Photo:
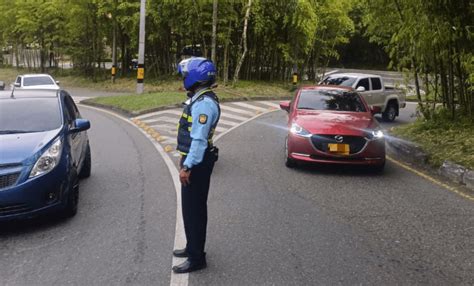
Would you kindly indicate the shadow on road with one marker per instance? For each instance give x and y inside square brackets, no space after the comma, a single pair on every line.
[340,170]
[36,224]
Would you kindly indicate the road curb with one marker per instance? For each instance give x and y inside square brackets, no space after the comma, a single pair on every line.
[127,113]
[414,154]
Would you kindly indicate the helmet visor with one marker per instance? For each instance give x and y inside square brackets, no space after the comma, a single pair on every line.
[183,68]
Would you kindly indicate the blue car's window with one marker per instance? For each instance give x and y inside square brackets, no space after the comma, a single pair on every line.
[24,115]
[37,80]
[330,100]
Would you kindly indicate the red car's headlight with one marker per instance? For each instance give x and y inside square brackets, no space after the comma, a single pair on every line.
[300,131]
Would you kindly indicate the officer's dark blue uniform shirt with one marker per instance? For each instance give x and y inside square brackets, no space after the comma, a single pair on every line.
[205,114]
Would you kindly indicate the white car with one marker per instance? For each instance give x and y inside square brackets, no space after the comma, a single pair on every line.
[36,81]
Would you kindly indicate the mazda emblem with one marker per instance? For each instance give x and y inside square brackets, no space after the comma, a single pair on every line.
[339,138]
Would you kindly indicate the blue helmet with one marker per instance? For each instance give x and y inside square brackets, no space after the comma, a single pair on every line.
[197,72]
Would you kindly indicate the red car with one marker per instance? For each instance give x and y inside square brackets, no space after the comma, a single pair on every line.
[333,125]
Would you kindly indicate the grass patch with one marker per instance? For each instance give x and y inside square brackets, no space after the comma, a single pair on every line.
[442,139]
[135,102]
[159,92]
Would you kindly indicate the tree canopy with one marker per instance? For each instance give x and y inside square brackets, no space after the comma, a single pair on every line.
[432,40]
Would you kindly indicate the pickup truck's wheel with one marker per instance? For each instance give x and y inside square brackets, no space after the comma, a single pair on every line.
[390,112]
[290,163]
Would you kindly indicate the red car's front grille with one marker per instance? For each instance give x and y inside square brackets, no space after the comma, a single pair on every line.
[356,143]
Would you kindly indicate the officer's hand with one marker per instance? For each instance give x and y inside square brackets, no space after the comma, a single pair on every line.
[184,177]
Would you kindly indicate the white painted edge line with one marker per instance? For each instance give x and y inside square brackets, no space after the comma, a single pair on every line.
[179,239]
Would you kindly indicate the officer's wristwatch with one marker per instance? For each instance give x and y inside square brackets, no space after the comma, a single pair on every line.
[186,168]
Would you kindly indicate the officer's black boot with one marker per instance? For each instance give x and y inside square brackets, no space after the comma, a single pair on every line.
[190,265]
[180,253]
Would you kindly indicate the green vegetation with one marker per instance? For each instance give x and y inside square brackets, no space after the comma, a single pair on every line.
[139,102]
[243,90]
[442,139]
[433,42]
[281,35]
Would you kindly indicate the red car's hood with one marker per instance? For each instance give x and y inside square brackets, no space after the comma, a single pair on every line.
[330,122]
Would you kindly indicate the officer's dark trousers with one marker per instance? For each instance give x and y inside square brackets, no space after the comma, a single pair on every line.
[194,204]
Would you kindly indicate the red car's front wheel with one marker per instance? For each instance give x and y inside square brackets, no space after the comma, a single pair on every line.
[290,163]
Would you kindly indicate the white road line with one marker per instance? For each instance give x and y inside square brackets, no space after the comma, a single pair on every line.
[249,106]
[141,117]
[167,125]
[179,239]
[221,129]
[269,103]
[161,119]
[242,123]
[227,122]
[167,140]
[170,111]
[78,99]
[232,116]
[237,110]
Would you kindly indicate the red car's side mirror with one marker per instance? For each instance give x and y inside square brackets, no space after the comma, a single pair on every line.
[375,109]
[285,105]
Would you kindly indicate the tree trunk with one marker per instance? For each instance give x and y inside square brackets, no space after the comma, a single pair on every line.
[244,43]
[214,32]
[199,28]
[226,56]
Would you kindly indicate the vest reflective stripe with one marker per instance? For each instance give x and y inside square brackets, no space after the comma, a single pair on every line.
[186,120]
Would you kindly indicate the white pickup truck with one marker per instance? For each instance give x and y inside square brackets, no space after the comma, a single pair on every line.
[371,87]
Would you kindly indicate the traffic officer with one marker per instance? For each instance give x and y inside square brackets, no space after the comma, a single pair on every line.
[196,129]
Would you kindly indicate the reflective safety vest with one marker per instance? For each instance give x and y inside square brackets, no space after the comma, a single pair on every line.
[186,122]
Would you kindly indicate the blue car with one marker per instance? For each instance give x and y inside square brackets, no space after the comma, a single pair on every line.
[44,151]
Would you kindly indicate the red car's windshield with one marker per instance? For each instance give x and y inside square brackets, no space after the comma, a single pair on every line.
[330,100]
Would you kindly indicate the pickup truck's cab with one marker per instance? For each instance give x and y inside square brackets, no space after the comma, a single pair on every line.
[372,88]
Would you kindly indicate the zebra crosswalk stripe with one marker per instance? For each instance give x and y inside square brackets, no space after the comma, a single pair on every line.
[237,110]
[249,106]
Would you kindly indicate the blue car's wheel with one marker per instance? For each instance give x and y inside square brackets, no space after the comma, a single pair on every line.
[72,199]
[86,166]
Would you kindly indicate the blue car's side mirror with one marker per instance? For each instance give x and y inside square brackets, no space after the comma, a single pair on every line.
[80,125]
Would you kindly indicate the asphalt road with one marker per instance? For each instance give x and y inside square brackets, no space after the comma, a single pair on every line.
[270,225]
[124,231]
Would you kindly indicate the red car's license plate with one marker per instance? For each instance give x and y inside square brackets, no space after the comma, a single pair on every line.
[342,149]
